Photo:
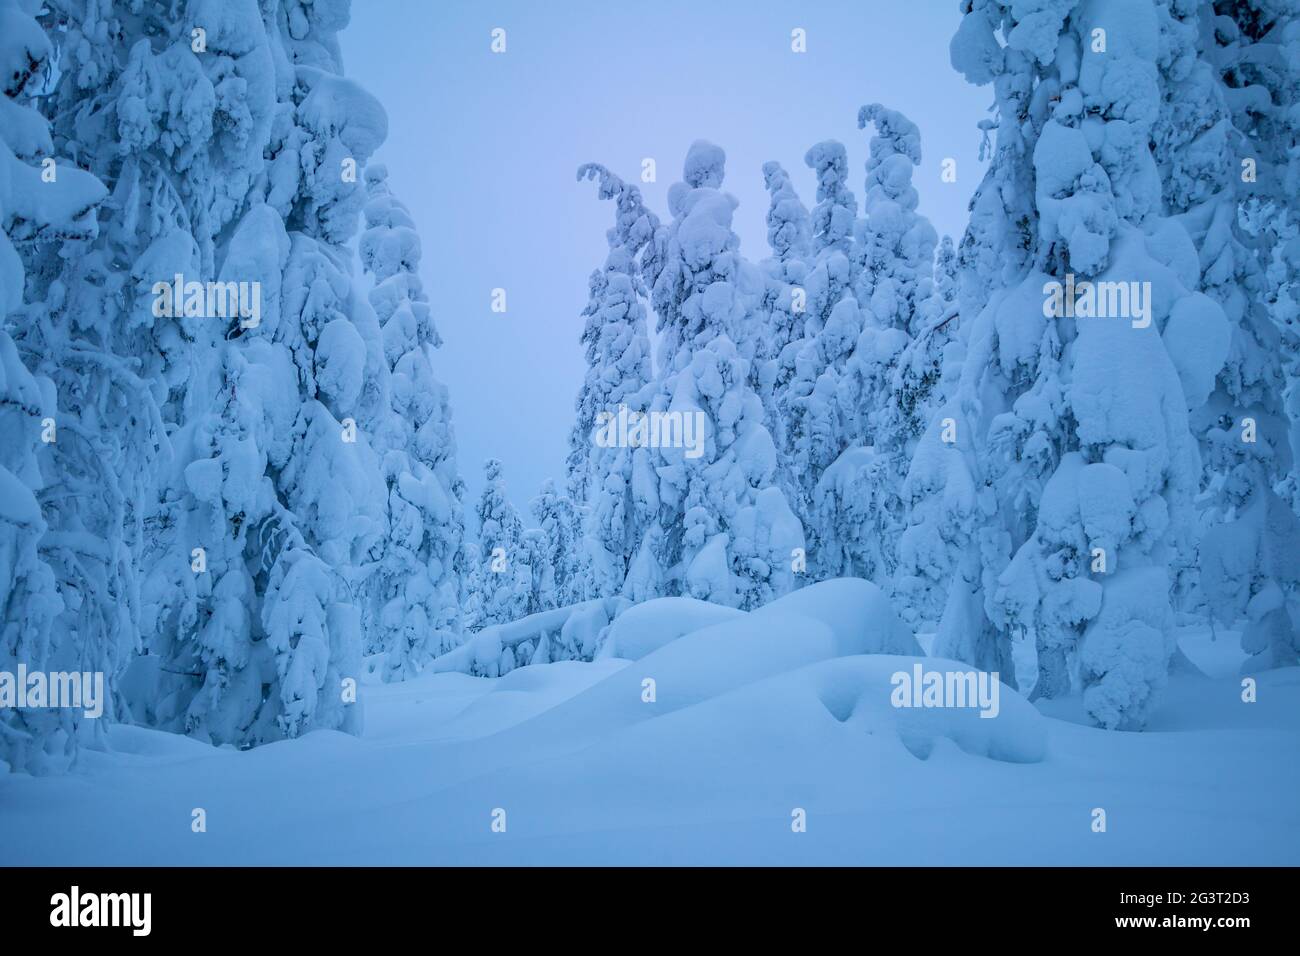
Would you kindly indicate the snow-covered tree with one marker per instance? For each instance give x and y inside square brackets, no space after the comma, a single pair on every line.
[819,414]
[789,227]
[894,255]
[540,574]
[722,529]
[118,362]
[893,247]
[505,574]
[1226,142]
[614,333]
[66,574]
[177,130]
[1055,487]
[697,253]
[830,278]
[271,520]
[855,505]
[809,370]
[784,305]
[30,740]
[836,211]
[417,589]
[560,524]
[919,381]
[618,374]
[471,576]
[924,379]
[850,409]
[789,234]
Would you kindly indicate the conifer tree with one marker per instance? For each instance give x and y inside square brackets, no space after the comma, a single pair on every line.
[418,594]
[1054,485]
[67,599]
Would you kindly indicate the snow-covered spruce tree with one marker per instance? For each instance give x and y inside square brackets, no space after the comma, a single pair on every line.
[30,740]
[614,334]
[945,273]
[789,226]
[808,378]
[920,379]
[119,357]
[722,531]
[540,578]
[173,110]
[837,209]
[505,573]
[66,592]
[1056,485]
[600,480]
[894,257]
[1282,299]
[893,247]
[332,481]
[418,592]
[1274,29]
[276,507]
[1275,221]
[1227,147]
[471,577]
[784,305]
[830,277]
[925,377]
[560,524]
[1283,303]
[686,259]
[940,492]
[856,508]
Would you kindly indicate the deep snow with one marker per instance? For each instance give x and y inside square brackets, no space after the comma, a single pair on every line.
[754,716]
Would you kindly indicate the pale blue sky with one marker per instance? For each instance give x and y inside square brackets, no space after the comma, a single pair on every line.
[483,149]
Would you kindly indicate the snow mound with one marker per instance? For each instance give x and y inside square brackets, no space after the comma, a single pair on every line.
[647,627]
[520,696]
[860,692]
[714,660]
[848,698]
[857,613]
[822,622]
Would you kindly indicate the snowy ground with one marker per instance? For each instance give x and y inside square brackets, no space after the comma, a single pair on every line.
[754,717]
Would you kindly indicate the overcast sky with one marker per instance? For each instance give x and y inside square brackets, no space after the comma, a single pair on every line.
[483,149]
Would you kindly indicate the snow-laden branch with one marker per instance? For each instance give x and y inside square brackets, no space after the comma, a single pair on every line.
[485,647]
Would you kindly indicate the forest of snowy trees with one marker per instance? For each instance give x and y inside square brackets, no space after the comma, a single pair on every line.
[1048,441]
